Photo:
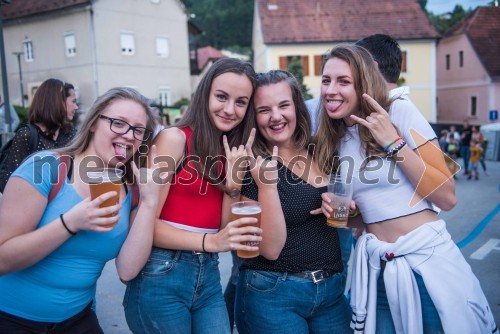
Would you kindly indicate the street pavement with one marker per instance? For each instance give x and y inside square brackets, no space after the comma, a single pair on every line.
[474,225]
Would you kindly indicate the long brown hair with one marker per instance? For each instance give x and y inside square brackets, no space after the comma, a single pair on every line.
[302,134]
[367,79]
[49,106]
[206,141]
[84,136]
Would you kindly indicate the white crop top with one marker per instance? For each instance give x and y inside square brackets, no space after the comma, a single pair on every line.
[381,189]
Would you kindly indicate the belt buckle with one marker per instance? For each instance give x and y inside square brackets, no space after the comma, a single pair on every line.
[198,253]
[317,276]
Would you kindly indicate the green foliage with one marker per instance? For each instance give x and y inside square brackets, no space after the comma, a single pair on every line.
[225,22]
[181,102]
[22,113]
[445,21]
[295,67]
[423,4]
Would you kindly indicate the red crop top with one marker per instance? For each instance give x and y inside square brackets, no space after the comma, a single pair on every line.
[192,203]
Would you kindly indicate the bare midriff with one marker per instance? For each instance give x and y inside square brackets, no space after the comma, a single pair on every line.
[391,230]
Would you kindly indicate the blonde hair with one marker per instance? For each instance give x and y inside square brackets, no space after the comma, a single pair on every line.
[84,136]
[367,79]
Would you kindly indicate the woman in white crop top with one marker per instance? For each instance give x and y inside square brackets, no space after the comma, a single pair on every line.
[427,286]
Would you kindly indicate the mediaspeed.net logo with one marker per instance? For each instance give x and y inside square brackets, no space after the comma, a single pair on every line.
[436,173]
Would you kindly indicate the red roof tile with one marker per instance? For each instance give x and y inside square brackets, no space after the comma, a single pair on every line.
[22,8]
[301,21]
[482,27]
[206,54]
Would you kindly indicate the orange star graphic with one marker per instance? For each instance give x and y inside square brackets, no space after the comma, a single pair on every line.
[442,168]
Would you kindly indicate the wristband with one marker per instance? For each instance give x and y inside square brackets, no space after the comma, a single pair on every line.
[203,243]
[386,147]
[66,226]
[393,151]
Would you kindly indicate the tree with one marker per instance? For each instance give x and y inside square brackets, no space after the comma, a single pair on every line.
[225,23]
[444,22]
[295,67]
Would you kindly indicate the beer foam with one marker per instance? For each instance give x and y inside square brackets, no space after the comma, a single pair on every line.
[246,210]
[100,177]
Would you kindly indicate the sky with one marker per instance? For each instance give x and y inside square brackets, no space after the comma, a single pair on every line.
[445,6]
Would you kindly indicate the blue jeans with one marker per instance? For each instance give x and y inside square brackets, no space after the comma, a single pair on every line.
[430,316]
[465,151]
[346,241]
[177,292]
[271,302]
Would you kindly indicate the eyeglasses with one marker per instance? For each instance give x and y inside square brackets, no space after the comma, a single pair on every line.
[121,127]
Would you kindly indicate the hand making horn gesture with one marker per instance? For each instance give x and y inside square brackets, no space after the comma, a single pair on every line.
[378,122]
[264,171]
[236,161]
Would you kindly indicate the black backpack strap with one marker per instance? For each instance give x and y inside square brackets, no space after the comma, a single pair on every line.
[33,137]
[64,170]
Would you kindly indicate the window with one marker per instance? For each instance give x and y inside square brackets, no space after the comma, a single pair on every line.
[473,106]
[70,43]
[127,43]
[165,96]
[461,58]
[285,61]
[447,62]
[28,50]
[162,47]
[404,60]
[318,64]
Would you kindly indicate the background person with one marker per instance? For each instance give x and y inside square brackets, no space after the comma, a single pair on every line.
[50,112]
[14,119]
[179,289]
[52,254]
[296,285]
[407,245]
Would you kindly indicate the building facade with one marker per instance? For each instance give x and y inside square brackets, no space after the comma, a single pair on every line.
[97,45]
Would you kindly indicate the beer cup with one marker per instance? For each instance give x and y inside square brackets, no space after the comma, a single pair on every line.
[103,181]
[340,192]
[247,209]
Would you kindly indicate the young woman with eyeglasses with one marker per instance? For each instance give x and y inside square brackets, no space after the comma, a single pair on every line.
[53,248]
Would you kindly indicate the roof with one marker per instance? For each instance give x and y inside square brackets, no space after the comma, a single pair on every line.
[299,21]
[23,8]
[207,54]
[483,31]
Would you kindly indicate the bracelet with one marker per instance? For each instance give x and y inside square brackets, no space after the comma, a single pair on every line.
[66,226]
[355,213]
[203,243]
[393,151]
[386,147]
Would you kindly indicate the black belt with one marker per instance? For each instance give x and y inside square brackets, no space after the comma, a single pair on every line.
[316,276]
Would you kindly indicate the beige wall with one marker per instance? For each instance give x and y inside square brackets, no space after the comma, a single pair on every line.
[458,85]
[420,77]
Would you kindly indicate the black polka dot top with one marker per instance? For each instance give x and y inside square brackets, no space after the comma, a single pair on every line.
[311,244]
[20,149]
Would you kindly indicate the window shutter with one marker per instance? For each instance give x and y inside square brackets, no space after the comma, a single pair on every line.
[318,63]
[283,63]
[305,65]
[403,63]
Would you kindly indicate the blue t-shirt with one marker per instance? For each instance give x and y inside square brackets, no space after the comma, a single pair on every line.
[64,282]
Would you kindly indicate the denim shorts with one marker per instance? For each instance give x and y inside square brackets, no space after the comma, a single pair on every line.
[272,302]
[177,292]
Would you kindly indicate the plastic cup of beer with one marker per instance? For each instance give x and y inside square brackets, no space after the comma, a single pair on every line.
[247,209]
[340,192]
[103,181]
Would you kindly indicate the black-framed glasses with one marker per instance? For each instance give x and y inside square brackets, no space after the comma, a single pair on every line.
[121,127]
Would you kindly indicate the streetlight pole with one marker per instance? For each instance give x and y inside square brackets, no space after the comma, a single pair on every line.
[5,83]
[19,54]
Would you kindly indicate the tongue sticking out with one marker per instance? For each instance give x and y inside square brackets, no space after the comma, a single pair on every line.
[120,151]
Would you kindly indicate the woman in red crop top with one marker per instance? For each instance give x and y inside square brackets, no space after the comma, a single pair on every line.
[179,288]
